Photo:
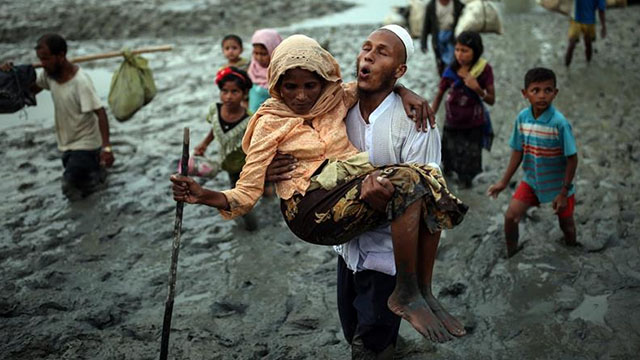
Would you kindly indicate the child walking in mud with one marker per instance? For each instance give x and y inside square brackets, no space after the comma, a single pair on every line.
[304,118]
[469,80]
[542,141]
[228,119]
[583,22]
[232,51]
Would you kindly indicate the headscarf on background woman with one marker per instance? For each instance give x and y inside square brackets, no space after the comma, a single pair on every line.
[270,39]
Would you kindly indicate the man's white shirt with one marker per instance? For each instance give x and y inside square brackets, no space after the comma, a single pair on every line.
[390,137]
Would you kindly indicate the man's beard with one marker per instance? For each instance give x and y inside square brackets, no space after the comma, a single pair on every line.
[56,72]
[387,82]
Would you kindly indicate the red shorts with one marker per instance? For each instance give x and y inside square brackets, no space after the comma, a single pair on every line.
[525,193]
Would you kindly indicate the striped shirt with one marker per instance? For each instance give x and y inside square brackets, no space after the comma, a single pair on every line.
[545,142]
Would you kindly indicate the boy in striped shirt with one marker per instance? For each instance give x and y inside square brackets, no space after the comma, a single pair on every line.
[542,141]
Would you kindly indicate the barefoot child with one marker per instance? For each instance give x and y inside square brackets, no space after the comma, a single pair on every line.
[469,80]
[264,41]
[542,141]
[229,121]
[232,50]
[321,203]
[583,22]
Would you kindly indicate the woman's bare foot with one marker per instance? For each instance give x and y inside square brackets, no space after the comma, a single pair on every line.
[453,325]
[416,311]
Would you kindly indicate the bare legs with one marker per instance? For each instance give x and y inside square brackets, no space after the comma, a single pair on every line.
[514,213]
[427,251]
[406,300]
[569,55]
[588,50]
[568,227]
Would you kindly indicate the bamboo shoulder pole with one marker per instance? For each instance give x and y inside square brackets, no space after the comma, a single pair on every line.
[113,54]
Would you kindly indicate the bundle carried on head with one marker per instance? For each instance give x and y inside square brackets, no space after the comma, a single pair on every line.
[480,16]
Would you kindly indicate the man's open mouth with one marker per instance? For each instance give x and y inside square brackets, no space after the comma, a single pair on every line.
[364,71]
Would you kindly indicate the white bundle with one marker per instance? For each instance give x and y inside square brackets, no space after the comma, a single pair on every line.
[417,8]
[481,16]
[394,17]
[564,7]
[616,3]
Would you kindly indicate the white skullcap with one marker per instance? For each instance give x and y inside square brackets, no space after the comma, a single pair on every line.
[403,35]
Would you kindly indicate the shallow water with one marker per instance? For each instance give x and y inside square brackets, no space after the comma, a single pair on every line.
[364,12]
[592,308]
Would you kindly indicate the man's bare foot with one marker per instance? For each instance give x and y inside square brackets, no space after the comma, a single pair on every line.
[453,325]
[417,312]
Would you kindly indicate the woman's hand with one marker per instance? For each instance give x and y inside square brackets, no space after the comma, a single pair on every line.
[417,108]
[472,83]
[200,149]
[186,189]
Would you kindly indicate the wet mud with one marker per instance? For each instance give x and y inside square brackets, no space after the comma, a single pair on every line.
[88,279]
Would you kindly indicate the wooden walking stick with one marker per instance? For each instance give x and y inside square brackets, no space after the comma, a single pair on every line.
[177,227]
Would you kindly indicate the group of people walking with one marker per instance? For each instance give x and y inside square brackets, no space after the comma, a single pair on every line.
[352,163]
[358,175]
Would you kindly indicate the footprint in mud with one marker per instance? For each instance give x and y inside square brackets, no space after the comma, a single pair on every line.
[25,186]
[8,308]
[222,309]
[27,166]
[124,147]
[453,290]
[105,318]
[47,307]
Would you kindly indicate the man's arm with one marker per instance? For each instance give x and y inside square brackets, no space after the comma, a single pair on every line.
[8,65]
[106,155]
[281,168]
[35,89]
[514,162]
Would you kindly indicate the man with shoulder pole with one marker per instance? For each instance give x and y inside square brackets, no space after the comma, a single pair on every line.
[81,124]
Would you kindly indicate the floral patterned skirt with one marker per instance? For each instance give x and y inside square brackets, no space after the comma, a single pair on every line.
[333,217]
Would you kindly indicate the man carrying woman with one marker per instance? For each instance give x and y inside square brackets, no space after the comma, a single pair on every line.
[322,205]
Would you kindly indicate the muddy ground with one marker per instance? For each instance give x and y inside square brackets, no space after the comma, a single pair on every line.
[87,280]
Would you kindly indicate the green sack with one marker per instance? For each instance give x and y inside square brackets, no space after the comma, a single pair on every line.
[132,87]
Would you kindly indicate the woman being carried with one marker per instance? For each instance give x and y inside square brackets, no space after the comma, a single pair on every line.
[304,118]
